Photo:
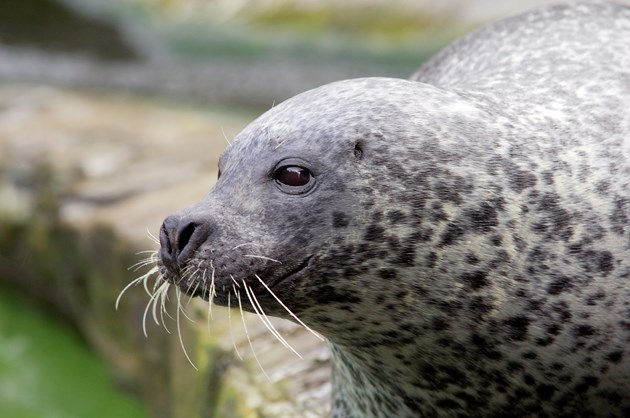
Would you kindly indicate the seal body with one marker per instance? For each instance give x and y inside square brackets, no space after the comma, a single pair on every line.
[462,239]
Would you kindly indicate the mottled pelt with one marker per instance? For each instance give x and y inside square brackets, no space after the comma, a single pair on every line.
[462,239]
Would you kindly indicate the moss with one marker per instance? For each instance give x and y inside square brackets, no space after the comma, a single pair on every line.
[75,275]
[376,21]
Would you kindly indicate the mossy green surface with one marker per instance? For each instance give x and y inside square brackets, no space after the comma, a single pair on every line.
[46,371]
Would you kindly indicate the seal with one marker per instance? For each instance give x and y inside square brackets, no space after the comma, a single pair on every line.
[462,239]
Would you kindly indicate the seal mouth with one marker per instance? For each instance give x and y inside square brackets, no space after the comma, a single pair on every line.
[290,275]
[280,282]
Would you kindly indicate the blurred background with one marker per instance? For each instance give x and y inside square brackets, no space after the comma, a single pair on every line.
[112,115]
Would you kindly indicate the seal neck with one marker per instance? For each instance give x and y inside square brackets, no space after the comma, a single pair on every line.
[370,387]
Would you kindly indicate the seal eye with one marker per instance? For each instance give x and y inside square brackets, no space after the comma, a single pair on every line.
[293,176]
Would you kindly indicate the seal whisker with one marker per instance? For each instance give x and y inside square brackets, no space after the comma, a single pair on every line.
[152,252]
[262,257]
[225,136]
[265,320]
[249,340]
[238,354]
[142,263]
[192,293]
[134,282]
[209,289]
[163,291]
[159,305]
[152,301]
[287,309]
[183,311]
[190,290]
[142,279]
[211,293]
[153,237]
[235,282]
[245,244]
[213,287]
[152,258]
[187,272]
[158,282]
[179,328]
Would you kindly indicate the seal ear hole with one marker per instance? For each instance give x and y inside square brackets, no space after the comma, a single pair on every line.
[358,151]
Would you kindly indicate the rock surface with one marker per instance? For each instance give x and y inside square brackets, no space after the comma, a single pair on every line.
[126,163]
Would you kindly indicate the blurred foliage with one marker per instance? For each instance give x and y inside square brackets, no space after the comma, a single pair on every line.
[396,36]
[368,21]
[76,275]
[373,23]
[50,25]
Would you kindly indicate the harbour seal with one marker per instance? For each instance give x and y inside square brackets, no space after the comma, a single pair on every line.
[462,239]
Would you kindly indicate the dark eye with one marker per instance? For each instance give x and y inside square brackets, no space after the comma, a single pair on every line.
[293,176]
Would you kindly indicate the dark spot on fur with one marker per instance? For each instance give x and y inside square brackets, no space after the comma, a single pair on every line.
[545,391]
[439,324]
[557,366]
[584,330]
[328,294]
[406,256]
[340,220]
[530,355]
[387,274]
[620,215]
[559,284]
[483,218]
[447,403]
[374,232]
[395,216]
[517,327]
[543,342]
[485,348]
[592,300]
[497,240]
[453,232]
[475,280]
[519,179]
[479,307]
[472,259]
[431,260]
[585,384]
[556,221]
[529,379]
[514,366]
[615,356]
[547,177]
[598,261]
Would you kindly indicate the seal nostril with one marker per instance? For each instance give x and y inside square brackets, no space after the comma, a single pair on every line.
[179,239]
[167,241]
[189,239]
[184,236]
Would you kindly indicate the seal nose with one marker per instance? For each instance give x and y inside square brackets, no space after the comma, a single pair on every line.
[179,238]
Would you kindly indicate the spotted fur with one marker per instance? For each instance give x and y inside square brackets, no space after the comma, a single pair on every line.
[464,243]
